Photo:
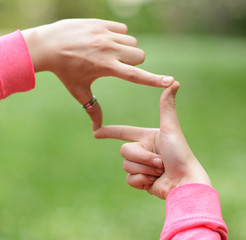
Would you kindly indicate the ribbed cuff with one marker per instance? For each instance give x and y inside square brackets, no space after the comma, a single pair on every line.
[16,68]
[192,206]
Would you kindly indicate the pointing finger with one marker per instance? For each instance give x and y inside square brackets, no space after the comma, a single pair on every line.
[140,76]
[121,132]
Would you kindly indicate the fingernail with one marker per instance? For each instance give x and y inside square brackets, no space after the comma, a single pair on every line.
[157,162]
[159,170]
[166,81]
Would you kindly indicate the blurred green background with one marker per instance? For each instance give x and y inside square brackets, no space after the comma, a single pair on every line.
[57,182]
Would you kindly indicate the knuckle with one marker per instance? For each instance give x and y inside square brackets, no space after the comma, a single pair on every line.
[96,27]
[132,74]
[101,43]
[107,68]
[97,23]
[167,102]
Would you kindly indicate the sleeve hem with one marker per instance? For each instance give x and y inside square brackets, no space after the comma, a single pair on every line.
[191,206]
[16,67]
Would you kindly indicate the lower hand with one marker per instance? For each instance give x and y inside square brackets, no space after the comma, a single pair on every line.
[168,143]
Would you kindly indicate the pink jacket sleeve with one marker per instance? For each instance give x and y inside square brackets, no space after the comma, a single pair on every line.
[16,68]
[193,212]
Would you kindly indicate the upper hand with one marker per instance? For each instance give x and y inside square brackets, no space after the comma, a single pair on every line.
[79,51]
[168,142]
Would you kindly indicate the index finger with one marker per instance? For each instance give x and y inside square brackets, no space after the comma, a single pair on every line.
[140,76]
[121,132]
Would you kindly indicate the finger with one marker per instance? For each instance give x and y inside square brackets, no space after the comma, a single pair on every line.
[168,114]
[130,55]
[125,39]
[84,95]
[121,132]
[138,168]
[140,76]
[116,27]
[136,153]
[140,181]
[95,114]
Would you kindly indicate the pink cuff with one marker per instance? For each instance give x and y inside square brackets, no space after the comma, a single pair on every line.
[193,206]
[16,68]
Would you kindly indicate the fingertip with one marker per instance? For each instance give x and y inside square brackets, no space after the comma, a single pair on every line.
[95,114]
[167,81]
[98,133]
[95,125]
[174,87]
[125,28]
[95,134]
[169,92]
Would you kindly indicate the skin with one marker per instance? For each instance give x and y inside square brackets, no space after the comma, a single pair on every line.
[79,51]
[167,143]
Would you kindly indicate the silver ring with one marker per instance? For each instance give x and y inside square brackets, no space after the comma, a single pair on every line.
[91,103]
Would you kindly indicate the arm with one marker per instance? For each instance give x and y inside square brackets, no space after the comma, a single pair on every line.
[193,207]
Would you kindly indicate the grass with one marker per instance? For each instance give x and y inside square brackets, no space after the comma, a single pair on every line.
[57,182]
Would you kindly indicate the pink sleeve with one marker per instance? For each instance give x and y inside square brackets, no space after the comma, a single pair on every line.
[16,68]
[193,212]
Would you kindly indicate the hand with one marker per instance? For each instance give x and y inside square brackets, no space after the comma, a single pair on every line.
[168,142]
[79,51]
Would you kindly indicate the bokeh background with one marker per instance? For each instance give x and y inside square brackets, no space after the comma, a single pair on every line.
[57,182]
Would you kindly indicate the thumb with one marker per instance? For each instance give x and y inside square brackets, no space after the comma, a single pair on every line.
[91,105]
[94,110]
[168,114]
[82,93]
[95,114]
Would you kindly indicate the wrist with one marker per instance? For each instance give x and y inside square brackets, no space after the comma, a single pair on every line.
[37,48]
[193,174]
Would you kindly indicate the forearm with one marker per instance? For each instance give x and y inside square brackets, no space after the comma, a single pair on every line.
[193,211]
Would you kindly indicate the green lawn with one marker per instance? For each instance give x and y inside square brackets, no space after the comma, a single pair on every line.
[58,183]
